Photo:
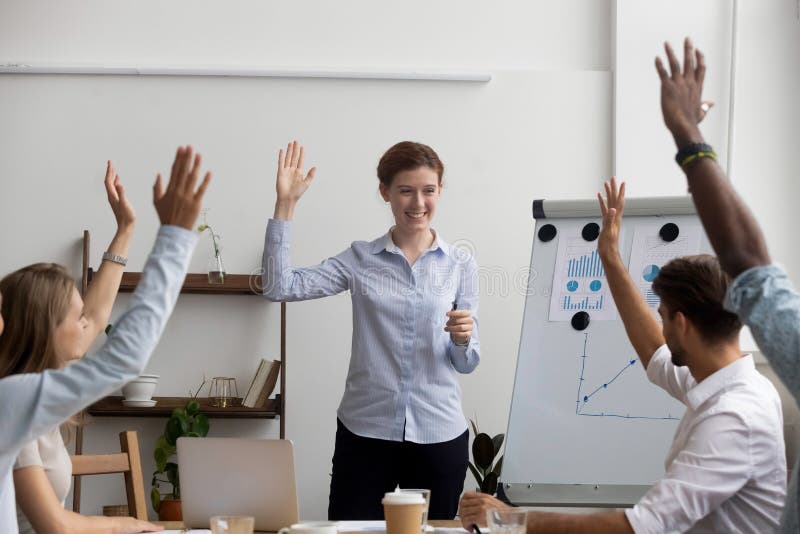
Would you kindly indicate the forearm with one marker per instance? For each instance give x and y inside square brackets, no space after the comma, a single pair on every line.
[643,330]
[284,210]
[68,522]
[554,523]
[102,292]
[733,231]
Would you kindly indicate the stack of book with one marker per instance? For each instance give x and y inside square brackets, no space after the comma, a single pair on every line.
[263,384]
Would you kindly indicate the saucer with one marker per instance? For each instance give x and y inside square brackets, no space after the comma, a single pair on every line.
[139,403]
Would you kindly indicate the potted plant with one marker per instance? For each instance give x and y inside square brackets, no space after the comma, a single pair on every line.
[188,422]
[484,450]
[216,270]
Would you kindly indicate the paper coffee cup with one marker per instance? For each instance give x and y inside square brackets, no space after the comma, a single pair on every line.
[403,512]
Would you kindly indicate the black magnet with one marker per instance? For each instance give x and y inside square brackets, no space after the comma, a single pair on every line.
[669,232]
[590,231]
[580,321]
[547,233]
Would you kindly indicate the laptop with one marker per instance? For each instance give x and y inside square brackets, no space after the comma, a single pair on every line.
[236,476]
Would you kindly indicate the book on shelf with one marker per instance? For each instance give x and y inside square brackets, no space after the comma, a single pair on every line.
[263,384]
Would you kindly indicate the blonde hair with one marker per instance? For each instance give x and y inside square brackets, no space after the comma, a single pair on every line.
[35,301]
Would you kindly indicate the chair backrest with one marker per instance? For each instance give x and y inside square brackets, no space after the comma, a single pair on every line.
[127,462]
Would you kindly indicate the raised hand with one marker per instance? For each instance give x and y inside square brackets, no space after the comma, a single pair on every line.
[611,208]
[122,208]
[180,203]
[681,93]
[291,181]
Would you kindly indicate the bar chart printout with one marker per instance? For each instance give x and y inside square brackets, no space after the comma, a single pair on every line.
[579,282]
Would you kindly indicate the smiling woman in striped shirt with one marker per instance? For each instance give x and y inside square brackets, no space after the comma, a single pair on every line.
[415,305]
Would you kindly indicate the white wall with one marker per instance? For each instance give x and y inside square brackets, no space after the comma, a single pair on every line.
[51,178]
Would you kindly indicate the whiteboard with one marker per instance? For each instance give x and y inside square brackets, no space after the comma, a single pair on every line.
[586,426]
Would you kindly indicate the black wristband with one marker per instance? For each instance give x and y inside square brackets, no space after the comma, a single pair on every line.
[693,151]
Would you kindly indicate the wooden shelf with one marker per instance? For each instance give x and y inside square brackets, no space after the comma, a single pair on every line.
[235,284]
[113,407]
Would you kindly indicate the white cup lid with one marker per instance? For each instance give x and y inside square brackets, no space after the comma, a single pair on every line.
[397,497]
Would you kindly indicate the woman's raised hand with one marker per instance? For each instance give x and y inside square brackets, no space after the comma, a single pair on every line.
[179,204]
[291,182]
[120,205]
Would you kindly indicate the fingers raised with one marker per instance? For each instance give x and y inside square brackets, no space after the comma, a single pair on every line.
[674,66]
[700,71]
[158,188]
[175,167]
[662,72]
[603,208]
[203,186]
[688,58]
[192,178]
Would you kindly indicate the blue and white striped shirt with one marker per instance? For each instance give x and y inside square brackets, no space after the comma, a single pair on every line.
[402,382]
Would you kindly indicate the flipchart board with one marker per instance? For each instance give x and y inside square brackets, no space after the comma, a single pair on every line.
[586,427]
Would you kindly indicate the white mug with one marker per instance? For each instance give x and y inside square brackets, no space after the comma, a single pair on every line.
[311,527]
[140,388]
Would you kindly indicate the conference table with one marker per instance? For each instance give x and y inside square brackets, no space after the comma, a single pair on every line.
[442,523]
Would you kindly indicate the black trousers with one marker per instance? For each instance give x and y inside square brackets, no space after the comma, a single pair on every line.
[366,468]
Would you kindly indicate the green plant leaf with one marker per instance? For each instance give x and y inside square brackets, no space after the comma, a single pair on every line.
[161,457]
[200,425]
[489,484]
[155,498]
[184,421]
[475,473]
[172,473]
[498,467]
[483,451]
[192,435]
[474,427]
[192,407]
[162,442]
[497,441]
[172,431]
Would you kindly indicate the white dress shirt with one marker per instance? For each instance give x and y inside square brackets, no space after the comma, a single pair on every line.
[726,469]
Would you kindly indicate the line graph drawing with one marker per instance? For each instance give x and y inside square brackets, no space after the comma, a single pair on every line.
[582,402]
[606,384]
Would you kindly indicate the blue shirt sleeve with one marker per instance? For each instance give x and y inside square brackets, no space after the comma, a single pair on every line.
[33,403]
[283,282]
[466,358]
[767,302]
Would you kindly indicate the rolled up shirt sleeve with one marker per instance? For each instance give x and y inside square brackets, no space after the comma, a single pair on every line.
[766,301]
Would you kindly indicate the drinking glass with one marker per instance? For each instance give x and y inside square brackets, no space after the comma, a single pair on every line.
[506,521]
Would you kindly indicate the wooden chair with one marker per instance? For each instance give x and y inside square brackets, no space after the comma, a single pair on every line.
[128,462]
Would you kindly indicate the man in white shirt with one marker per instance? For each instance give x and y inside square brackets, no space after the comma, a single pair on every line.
[726,469]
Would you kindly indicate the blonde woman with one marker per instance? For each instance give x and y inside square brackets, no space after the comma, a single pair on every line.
[31,359]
